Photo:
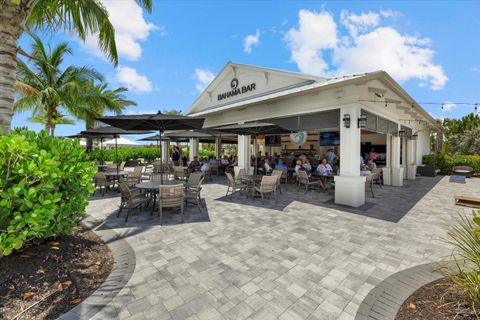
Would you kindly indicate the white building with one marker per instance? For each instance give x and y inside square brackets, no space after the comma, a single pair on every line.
[394,121]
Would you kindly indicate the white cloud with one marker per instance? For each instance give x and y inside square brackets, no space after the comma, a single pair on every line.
[203,77]
[448,106]
[135,111]
[132,79]
[131,29]
[316,32]
[365,46]
[250,41]
[475,69]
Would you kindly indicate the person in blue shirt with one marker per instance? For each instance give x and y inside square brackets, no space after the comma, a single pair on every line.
[330,156]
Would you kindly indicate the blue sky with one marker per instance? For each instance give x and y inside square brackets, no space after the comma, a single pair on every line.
[166,57]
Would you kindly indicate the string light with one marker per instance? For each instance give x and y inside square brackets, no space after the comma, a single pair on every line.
[441,104]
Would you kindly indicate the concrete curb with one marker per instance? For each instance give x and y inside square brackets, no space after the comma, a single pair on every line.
[385,299]
[123,267]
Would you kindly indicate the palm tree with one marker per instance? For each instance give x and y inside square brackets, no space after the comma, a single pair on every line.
[82,17]
[46,89]
[96,100]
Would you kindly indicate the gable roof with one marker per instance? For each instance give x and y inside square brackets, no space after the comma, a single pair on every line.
[305,84]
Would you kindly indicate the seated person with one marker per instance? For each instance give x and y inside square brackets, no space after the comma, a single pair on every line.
[194,164]
[371,165]
[205,166]
[324,168]
[225,161]
[267,167]
[298,166]
[307,165]
[280,165]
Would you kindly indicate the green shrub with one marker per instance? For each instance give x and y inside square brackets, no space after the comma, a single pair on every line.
[446,162]
[464,267]
[125,154]
[44,185]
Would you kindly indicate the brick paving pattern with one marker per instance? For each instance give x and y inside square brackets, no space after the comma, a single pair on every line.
[306,260]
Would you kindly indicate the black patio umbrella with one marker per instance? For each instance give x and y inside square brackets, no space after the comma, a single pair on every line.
[111,132]
[156,122]
[254,129]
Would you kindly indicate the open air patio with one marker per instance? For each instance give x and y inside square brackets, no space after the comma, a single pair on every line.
[301,258]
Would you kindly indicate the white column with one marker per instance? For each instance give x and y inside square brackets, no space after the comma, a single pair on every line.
[165,151]
[404,157]
[387,170]
[244,152]
[194,148]
[218,145]
[350,186]
[397,170]
[411,167]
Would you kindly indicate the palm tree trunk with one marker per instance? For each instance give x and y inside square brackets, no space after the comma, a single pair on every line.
[12,17]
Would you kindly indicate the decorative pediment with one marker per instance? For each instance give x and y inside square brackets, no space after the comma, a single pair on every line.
[237,82]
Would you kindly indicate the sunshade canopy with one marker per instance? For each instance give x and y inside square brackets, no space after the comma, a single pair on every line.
[253,128]
[121,142]
[158,122]
[110,131]
[155,138]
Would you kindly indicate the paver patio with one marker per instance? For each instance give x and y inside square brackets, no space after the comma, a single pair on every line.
[247,261]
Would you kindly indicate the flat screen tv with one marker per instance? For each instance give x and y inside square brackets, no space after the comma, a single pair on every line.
[273,140]
[330,138]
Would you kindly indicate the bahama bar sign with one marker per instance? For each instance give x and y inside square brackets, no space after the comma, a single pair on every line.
[236,90]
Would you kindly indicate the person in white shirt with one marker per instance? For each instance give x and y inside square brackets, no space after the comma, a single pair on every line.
[267,166]
[298,166]
[324,168]
[306,165]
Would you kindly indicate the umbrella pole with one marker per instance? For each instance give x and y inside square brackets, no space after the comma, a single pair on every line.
[160,153]
[116,154]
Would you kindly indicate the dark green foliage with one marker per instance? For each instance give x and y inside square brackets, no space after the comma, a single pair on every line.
[147,153]
[44,185]
[446,162]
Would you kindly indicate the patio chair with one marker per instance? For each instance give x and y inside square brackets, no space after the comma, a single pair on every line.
[215,168]
[282,174]
[194,179]
[369,183]
[156,177]
[303,179]
[100,180]
[130,199]
[240,174]
[234,185]
[179,173]
[170,196]
[133,178]
[377,179]
[192,192]
[268,185]
[122,165]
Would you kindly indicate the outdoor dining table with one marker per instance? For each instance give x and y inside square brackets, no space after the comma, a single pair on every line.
[115,176]
[153,186]
[251,180]
[327,178]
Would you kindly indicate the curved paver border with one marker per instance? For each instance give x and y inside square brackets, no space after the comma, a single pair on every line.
[386,298]
[123,267]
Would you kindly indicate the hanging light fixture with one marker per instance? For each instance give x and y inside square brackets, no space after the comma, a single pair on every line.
[362,121]
[401,133]
[414,136]
[346,120]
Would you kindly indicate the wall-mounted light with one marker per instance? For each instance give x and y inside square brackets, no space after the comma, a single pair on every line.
[346,120]
[362,121]
[401,133]
[414,136]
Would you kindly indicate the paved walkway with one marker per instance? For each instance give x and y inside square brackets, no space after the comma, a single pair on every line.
[239,261]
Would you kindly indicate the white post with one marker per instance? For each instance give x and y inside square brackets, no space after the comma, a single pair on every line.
[165,151]
[411,167]
[244,152]
[194,148]
[387,170]
[350,186]
[218,145]
[404,163]
[397,170]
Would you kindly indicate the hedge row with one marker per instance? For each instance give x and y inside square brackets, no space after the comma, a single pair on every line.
[446,162]
[125,154]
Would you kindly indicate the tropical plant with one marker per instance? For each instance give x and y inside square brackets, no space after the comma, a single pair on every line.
[46,89]
[44,185]
[80,17]
[464,267]
[95,100]
[446,162]
[467,142]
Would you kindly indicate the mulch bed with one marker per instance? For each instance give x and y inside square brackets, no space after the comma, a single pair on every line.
[46,280]
[437,300]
